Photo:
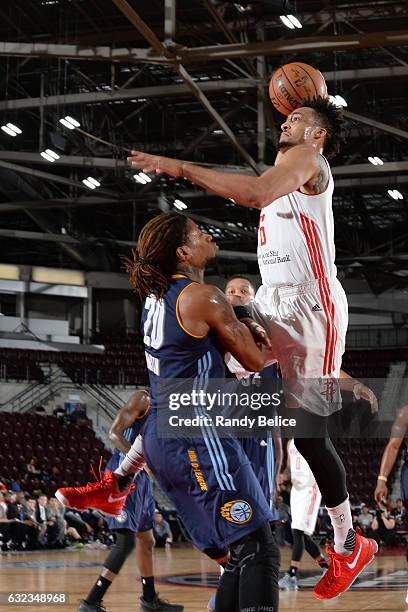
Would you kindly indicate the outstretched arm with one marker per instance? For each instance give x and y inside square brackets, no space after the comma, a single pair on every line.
[297,167]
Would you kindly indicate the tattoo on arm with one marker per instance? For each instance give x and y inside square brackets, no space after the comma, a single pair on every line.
[321,180]
[229,321]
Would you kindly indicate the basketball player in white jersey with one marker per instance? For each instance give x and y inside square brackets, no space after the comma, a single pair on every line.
[305,499]
[300,299]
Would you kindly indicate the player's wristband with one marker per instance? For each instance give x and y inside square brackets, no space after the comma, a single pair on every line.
[383,478]
[242,312]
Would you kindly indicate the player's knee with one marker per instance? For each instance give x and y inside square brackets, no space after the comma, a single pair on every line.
[259,545]
[125,543]
[147,542]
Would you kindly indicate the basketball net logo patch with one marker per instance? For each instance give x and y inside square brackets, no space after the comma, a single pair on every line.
[237,511]
[123,516]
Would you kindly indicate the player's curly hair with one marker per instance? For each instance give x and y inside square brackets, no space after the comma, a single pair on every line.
[154,258]
[330,117]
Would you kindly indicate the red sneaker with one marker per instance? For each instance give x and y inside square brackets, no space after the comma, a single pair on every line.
[344,569]
[102,495]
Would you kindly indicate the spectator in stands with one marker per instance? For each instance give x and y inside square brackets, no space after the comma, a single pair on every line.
[4,521]
[56,513]
[325,526]
[33,535]
[32,467]
[78,415]
[59,412]
[161,531]
[16,527]
[21,499]
[397,513]
[74,519]
[283,530]
[365,520]
[14,486]
[48,526]
[383,526]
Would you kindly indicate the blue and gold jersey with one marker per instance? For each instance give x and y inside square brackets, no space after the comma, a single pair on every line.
[171,351]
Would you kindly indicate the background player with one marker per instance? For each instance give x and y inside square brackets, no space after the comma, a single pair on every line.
[398,433]
[136,519]
[264,452]
[305,499]
[301,301]
[208,479]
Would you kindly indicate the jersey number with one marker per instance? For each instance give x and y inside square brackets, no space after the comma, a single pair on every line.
[154,324]
[262,234]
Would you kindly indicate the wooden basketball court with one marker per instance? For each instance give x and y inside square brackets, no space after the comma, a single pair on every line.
[185,576]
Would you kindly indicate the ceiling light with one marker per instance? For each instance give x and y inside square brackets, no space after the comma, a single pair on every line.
[180,205]
[93,181]
[376,161]
[338,100]
[11,129]
[144,176]
[47,157]
[69,122]
[395,194]
[74,122]
[14,128]
[139,179]
[88,184]
[8,131]
[52,153]
[295,21]
[287,22]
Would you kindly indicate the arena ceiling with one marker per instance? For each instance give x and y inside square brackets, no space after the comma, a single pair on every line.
[188,78]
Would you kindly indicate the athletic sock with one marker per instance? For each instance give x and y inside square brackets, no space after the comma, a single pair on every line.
[98,590]
[292,571]
[149,592]
[344,534]
[134,462]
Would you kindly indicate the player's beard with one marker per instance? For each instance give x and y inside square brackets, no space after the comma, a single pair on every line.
[284,146]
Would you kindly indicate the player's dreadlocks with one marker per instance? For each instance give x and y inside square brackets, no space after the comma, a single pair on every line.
[330,117]
[154,258]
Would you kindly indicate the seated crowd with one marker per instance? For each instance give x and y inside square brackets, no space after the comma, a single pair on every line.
[386,524]
[32,523]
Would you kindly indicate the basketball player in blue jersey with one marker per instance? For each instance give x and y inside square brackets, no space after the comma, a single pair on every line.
[265,453]
[136,520]
[391,451]
[187,327]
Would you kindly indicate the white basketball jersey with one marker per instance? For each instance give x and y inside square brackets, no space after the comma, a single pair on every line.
[300,473]
[296,238]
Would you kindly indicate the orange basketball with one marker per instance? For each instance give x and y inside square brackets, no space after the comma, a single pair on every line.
[292,83]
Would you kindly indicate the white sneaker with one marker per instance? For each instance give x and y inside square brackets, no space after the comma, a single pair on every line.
[288,583]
